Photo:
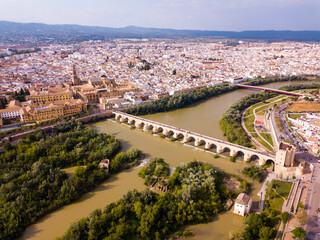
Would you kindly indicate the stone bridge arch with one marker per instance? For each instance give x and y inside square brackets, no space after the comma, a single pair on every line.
[188,138]
[124,119]
[271,162]
[157,129]
[178,135]
[132,121]
[210,145]
[168,132]
[118,116]
[139,124]
[199,142]
[147,127]
[254,157]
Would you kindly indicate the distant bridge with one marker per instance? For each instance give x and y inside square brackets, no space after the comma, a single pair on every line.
[188,136]
[269,90]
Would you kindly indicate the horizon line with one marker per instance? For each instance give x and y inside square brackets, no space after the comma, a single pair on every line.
[183,29]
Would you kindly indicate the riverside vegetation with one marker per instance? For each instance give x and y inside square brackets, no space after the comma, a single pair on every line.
[265,225]
[197,193]
[183,99]
[231,120]
[179,100]
[254,172]
[32,183]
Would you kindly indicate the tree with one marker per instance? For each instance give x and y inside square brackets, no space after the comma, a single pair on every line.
[236,235]
[265,233]
[299,233]
[285,217]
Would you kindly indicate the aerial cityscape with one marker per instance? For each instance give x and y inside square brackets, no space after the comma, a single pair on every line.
[160,120]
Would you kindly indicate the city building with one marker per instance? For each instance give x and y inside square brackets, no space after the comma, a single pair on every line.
[43,112]
[99,87]
[50,95]
[242,205]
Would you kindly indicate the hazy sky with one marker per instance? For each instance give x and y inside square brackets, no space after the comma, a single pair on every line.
[180,14]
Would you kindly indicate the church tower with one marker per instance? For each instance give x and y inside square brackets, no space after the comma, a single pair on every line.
[75,79]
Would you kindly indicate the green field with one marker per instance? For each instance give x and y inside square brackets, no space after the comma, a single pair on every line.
[267,136]
[248,122]
[275,198]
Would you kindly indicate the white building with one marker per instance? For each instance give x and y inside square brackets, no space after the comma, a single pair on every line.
[236,80]
[242,205]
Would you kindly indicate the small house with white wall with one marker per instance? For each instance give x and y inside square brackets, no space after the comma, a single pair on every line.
[242,205]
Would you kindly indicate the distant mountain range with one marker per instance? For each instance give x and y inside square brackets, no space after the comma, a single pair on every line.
[39,29]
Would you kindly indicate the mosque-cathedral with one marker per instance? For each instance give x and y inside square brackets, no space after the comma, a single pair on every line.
[98,87]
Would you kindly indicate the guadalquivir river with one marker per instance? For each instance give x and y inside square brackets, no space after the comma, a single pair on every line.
[202,118]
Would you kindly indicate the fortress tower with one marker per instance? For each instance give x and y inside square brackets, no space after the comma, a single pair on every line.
[285,155]
[75,79]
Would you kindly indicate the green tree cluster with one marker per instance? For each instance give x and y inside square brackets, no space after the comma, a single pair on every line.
[3,102]
[178,100]
[157,167]
[21,95]
[32,183]
[183,99]
[254,172]
[259,226]
[147,215]
[262,81]
[293,87]
[299,233]
[231,120]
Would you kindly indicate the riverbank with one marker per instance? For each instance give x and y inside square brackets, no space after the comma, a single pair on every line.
[187,98]
[201,117]
[32,184]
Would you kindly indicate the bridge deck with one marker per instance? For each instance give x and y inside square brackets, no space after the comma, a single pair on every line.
[195,134]
[269,90]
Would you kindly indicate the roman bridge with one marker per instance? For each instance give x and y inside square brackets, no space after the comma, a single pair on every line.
[198,139]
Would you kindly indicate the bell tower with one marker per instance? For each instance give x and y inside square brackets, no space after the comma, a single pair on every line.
[75,79]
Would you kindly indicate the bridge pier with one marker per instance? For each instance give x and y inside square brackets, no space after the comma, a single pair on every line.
[146,127]
[262,161]
[197,142]
[186,139]
[123,119]
[176,135]
[220,149]
[207,146]
[157,129]
[247,157]
[131,121]
[138,125]
[166,132]
[233,153]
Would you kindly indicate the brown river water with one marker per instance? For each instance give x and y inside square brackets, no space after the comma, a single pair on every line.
[201,118]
